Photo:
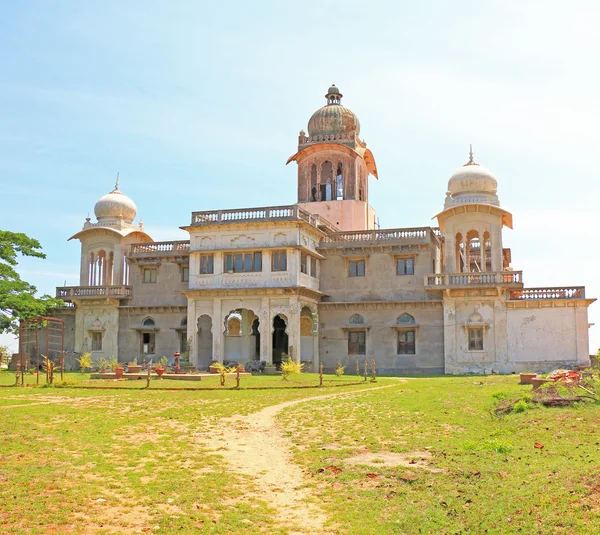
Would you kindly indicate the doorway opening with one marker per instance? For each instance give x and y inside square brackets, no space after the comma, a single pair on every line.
[280,339]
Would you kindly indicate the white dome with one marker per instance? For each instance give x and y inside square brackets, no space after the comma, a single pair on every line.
[472,178]
[115,205]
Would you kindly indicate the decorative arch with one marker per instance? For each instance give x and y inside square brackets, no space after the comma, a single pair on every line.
[406,319]
[149,322]
[356,319]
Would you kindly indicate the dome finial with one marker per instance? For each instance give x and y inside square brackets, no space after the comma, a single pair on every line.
[117,183]
[471,161]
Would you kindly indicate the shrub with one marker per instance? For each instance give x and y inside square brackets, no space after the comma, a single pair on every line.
[290,367]
[520,406]
[85,362]
[339,371]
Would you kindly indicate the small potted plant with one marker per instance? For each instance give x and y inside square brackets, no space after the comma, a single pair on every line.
[215,367]
[116,367]
[133,367]
[161,366]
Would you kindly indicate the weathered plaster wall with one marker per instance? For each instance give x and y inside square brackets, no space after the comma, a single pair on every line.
[459,314]
[347,215]
[382,337]
[381,282]
[168,325]
[542,339]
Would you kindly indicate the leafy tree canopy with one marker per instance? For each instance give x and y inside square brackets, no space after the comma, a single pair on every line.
[17,297]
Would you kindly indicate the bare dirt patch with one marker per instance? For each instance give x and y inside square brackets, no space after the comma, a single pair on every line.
[255,446]
[415,459]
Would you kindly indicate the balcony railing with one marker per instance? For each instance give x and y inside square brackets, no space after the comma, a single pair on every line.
[160,248]
[269,213]
[456,280]
[377,236]
[525,294]
[91,292]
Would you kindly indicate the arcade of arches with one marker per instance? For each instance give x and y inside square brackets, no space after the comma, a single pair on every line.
[241,336]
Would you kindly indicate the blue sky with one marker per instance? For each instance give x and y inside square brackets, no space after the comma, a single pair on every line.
[198,105]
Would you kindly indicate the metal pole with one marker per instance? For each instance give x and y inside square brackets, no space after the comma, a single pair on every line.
[357,368]
[365,370]
[48,351]
[237,376]
[321,374]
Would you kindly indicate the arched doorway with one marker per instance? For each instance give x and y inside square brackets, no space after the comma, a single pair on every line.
[280,339]
[205,339]
[306,334]
[256,334]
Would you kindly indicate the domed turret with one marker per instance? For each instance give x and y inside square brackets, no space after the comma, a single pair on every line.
[115,205]
[472,183]
[472,178]
[333,118]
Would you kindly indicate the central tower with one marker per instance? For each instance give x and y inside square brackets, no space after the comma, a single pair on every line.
[334,166]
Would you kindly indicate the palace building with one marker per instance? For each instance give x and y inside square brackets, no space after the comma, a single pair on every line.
[318,281]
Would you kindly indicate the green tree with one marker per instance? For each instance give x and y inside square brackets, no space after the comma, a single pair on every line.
[17,297]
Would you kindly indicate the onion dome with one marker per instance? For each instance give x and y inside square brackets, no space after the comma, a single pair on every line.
[333,118]
[472,178]
[115,205]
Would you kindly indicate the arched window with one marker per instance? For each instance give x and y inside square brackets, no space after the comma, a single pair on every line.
[326,180]
[233,324]
[149,337]
[314,193]
[357,319]
[339,183]
[405,319]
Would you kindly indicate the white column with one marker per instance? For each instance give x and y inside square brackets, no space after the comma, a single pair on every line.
[218,344]
[482,249]
[293,329]
[496,237]
[450,263]
[264,327]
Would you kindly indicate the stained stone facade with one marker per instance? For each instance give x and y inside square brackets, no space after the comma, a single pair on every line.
[317,281]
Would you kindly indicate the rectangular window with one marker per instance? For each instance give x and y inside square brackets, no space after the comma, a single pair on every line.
[303,263]
[185,274]
[357,342]
[406,266]
[243,262]
[148,343]
[476,339]
[356,268]
[406,342]
[313,266]
[279,261]
[96,341]
[206,264]
[150,275]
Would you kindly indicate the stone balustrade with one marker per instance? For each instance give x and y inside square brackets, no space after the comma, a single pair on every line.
[269,213]
[419,234]
[160,248]
[570,292]
[93,292]
[454,280]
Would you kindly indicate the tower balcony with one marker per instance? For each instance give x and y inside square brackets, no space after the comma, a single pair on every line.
[68,293]
[505,279]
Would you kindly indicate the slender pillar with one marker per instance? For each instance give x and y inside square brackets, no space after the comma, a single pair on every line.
[218,344]
[264,327]
[482,249]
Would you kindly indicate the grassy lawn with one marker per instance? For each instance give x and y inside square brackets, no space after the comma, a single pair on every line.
[420,456]
[456,469]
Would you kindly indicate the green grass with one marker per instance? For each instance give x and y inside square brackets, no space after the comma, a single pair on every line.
[491,478]
[122,461]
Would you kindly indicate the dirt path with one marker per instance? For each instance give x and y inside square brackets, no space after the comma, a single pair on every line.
[255,446]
